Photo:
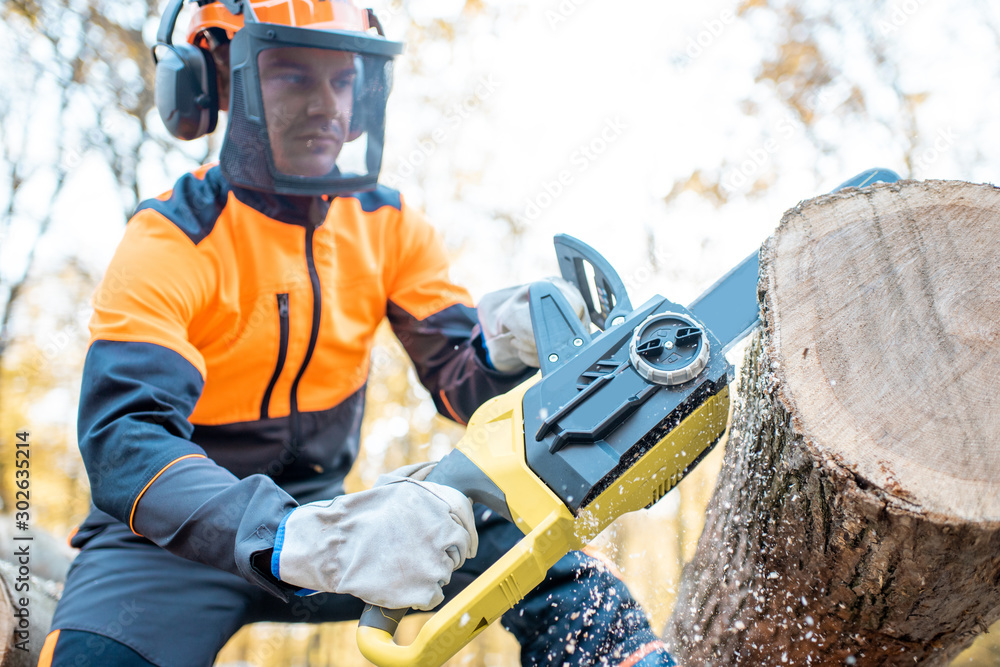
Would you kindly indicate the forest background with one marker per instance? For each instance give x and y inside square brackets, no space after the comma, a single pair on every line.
[671,136]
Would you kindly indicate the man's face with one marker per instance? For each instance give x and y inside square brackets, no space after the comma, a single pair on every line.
[308,98]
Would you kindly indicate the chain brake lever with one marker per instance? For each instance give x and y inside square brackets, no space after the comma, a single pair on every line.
[612,302]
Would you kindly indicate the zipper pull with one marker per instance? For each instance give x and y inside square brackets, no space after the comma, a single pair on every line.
[283,305]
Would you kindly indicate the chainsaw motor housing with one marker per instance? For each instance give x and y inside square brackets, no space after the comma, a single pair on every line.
[590,422]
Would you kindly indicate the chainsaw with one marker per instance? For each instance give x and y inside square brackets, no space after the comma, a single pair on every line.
[614,421]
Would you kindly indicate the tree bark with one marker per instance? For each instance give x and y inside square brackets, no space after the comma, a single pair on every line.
[35,578]
[42,595]
[856,520]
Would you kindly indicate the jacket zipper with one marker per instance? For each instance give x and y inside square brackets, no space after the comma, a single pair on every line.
[313,336]
[282,352]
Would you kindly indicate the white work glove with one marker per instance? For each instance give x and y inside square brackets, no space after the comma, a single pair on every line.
[394,545]
[505,319]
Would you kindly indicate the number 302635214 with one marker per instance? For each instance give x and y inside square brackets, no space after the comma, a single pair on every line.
[22,467]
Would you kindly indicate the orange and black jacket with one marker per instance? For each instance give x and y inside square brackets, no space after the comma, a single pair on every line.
[230,344]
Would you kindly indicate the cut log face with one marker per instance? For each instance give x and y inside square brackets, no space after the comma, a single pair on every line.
[896,294]
[857,517]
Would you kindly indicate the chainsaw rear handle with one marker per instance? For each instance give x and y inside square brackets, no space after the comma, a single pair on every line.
[457,471]
[494,592]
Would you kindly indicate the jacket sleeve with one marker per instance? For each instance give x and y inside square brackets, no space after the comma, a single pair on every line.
[141,380]
[436,323]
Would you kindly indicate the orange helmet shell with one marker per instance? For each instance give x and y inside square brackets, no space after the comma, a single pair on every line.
[341,15]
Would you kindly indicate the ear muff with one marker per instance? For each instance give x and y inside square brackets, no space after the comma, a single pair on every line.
[186,92]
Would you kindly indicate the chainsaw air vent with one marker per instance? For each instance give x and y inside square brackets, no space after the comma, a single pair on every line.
[664,487]
[602,367]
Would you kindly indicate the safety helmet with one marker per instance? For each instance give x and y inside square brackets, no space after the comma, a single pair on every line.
[309,81]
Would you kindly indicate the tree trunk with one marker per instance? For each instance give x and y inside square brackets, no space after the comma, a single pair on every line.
[35,577]
[857,517]
[34,618]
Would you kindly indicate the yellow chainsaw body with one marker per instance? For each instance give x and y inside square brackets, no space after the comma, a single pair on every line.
[495,442]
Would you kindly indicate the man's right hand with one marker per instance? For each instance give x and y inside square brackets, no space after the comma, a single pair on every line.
[394,545]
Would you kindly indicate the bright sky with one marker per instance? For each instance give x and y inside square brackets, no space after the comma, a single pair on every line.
[592,114]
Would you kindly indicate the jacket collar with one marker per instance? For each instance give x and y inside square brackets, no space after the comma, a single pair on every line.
[290,209]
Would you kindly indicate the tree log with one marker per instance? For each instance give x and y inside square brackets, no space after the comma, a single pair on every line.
[42,595]
[35,578]
[856,520]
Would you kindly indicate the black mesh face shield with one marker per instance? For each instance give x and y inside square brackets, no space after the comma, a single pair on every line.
[306,110]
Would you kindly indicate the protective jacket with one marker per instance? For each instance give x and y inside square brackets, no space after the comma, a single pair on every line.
[230,345]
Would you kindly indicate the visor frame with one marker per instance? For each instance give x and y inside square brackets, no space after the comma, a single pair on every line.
[245,48]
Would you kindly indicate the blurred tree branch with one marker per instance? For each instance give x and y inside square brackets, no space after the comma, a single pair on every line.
[81,91]
[832,66]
